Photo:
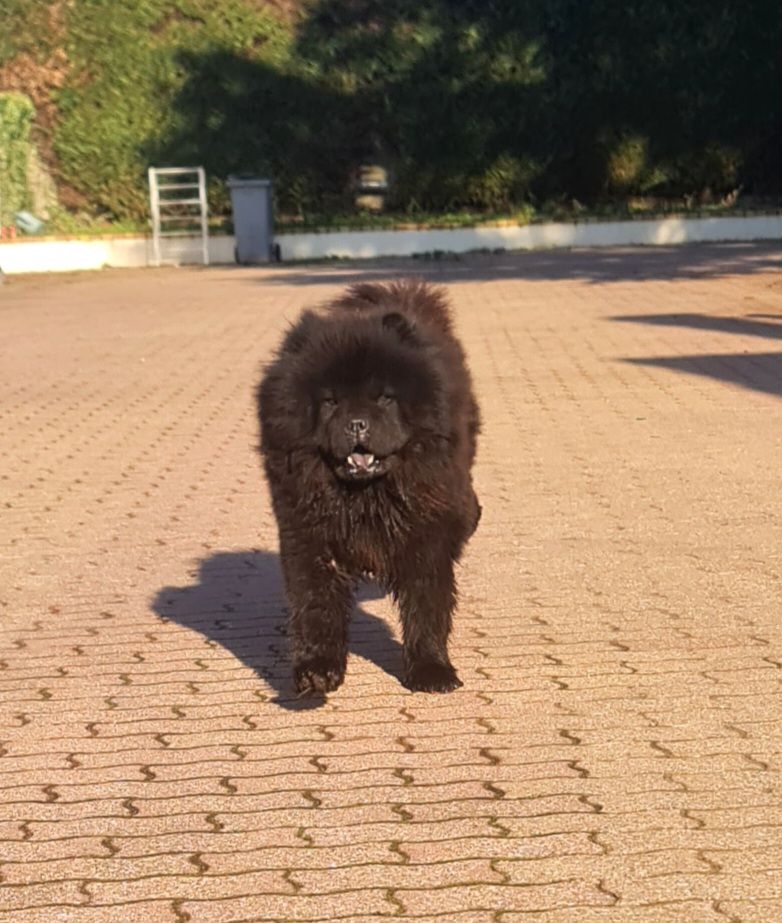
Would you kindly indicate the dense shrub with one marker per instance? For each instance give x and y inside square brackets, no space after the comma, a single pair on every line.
[468,103]
[16,114]
[129,64]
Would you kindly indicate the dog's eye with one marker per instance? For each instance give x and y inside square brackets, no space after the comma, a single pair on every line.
[328,400]
[386,399]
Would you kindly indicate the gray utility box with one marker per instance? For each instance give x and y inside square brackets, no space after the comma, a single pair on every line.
[251,201]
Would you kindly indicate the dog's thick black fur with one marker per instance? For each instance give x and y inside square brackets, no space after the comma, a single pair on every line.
[368,433]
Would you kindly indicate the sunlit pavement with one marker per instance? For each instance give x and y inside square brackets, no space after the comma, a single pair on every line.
[614,754]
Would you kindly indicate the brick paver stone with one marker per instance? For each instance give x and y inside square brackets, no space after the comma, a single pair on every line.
[614,754]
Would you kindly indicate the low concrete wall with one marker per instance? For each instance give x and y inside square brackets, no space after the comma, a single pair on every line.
[48,255]
[664,231]
[29,255]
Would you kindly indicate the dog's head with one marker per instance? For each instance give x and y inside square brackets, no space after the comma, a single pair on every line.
[364,390]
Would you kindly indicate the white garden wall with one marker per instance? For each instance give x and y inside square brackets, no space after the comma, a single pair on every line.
[49,255]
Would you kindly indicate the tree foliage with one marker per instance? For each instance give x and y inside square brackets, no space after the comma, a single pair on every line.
[16,114]
[470,103]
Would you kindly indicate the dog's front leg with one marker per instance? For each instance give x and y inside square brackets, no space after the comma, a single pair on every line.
[427,595]
[320,600]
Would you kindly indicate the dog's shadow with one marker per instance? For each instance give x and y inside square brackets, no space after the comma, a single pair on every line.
[237,601]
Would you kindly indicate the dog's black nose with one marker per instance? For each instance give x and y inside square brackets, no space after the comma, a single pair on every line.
[357,428]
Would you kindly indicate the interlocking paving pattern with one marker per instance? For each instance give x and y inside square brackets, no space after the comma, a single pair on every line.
[614,754]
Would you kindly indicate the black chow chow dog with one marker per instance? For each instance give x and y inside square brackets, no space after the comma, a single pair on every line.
[368,432]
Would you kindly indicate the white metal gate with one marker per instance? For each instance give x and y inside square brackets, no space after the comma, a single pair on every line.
[178,204]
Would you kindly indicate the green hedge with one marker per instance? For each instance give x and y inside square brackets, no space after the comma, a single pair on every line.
[16,115]
[470,103]
[129,62]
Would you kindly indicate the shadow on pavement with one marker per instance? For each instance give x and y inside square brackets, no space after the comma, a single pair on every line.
[611,265]
[237,601]
[738,325]
[756,371]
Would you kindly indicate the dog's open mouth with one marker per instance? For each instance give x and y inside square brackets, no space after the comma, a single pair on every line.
[361,465]
[360,462]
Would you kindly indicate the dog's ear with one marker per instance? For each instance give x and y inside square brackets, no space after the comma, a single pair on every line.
[401,326]
[299,335]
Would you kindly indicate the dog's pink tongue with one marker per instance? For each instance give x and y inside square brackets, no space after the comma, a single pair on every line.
[361,460]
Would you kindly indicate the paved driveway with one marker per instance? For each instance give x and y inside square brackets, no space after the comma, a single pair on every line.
[614,755]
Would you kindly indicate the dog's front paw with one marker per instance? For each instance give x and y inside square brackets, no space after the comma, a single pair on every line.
[317,676]
[431,676]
